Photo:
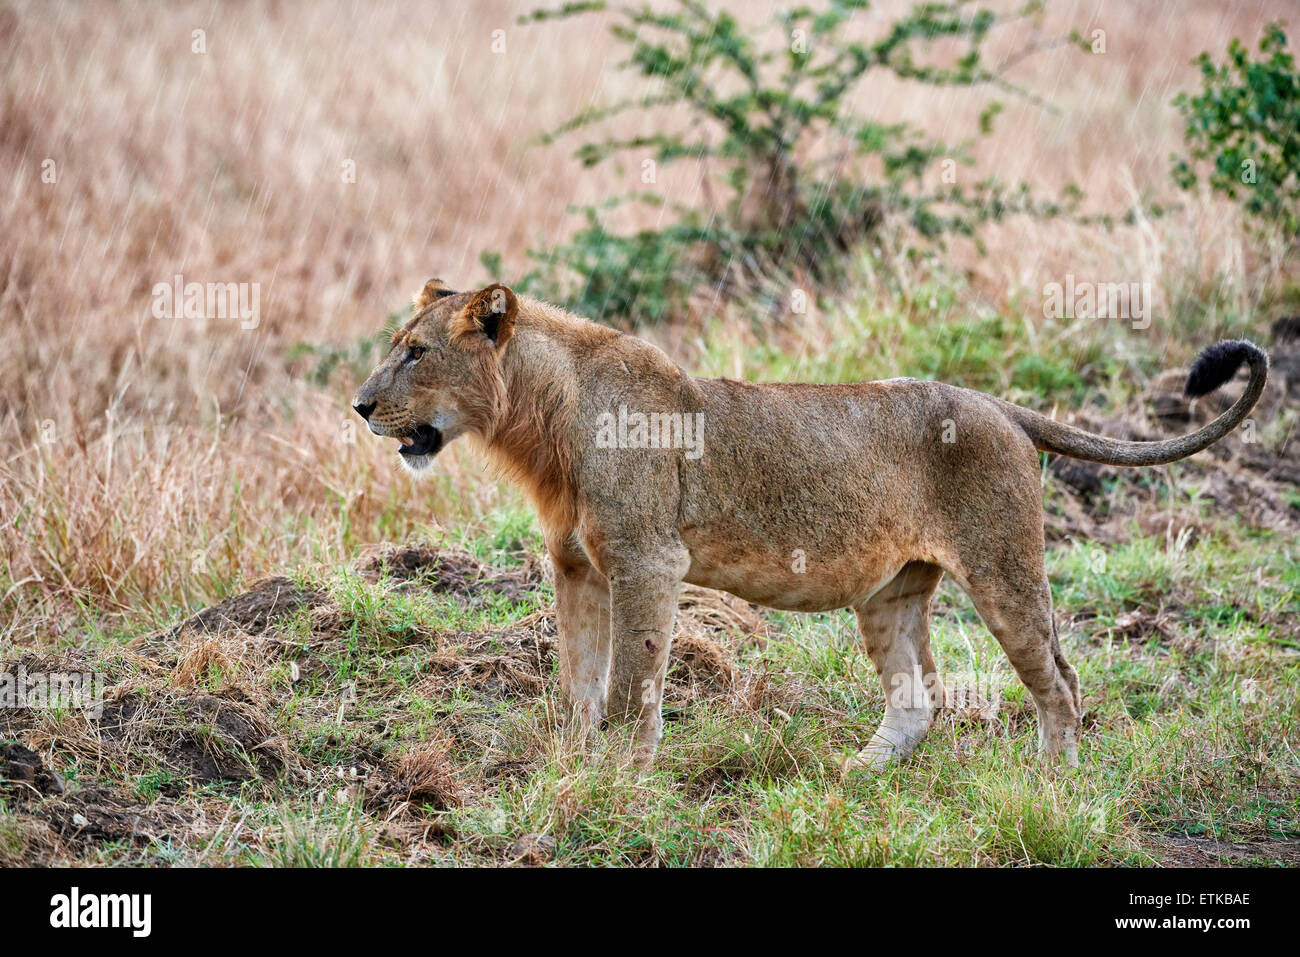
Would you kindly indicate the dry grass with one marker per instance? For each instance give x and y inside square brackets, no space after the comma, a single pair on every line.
[150,460]
[427,778]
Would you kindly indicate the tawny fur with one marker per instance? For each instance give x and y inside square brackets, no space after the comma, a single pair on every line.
[805,497]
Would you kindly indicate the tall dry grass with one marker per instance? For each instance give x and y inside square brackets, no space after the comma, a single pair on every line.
[147,461]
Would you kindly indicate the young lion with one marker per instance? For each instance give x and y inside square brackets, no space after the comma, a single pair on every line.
[803,497]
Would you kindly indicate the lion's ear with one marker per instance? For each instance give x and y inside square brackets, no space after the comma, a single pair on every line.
[490,313]
[433,289]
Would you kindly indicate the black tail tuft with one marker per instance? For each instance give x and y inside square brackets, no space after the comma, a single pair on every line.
[1218,364]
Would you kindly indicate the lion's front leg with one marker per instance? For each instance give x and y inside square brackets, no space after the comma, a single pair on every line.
[582,621]
[643,605]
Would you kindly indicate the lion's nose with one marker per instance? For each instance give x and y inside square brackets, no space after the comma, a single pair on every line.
[364,409]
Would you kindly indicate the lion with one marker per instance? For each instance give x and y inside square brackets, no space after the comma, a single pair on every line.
[800,497]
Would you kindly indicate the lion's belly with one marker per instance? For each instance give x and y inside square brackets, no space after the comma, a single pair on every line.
[791,578]
[807,498]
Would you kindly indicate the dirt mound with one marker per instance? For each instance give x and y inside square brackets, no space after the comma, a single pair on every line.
[14,722]
[202,737]
[514,662]
[75,816]
[712,627]
[716,612]
[22,775]
[698,658]
[448,572]
[255,610]
[98,815]
[518,661]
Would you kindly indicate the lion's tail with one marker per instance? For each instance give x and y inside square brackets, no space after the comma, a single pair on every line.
[1213,367]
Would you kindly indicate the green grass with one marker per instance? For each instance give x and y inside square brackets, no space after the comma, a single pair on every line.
[1186,736]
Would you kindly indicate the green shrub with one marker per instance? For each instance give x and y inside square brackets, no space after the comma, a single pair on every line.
[797,180]
[1245,124]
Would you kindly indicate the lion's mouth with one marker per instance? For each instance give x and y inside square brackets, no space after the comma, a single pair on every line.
[426,440]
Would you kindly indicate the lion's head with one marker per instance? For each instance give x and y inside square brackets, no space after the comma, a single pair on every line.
[442,376]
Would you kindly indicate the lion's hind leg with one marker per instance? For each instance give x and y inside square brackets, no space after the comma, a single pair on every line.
[895,626]
[1015,602]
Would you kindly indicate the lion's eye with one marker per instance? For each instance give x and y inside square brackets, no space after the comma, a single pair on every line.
[414,354]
